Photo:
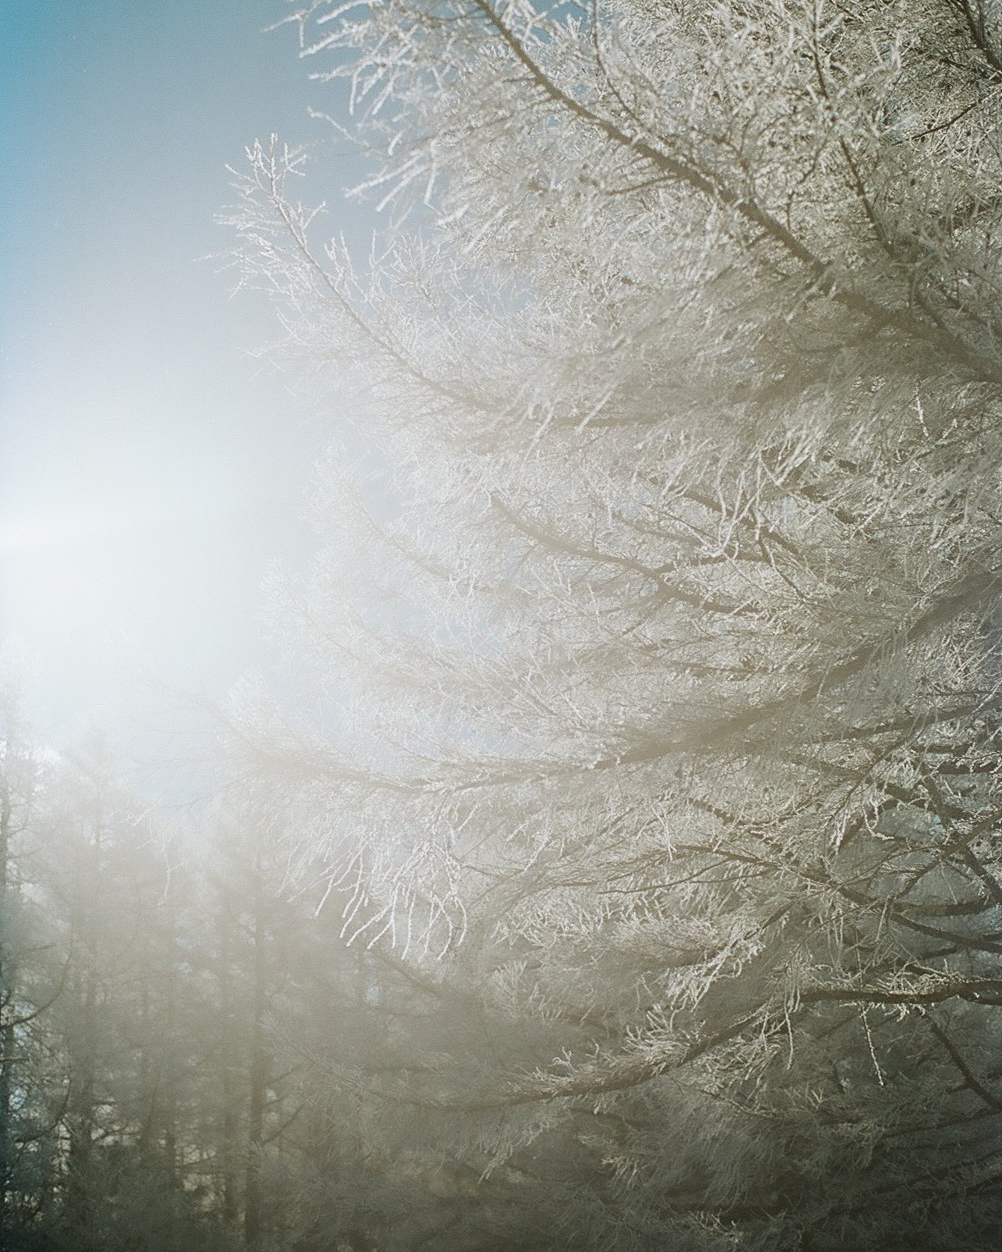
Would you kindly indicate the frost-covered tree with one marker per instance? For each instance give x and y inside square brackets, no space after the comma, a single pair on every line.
[654,636]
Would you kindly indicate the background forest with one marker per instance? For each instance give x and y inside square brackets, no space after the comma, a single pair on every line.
[613,861]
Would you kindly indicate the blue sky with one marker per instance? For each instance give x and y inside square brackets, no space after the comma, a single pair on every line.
[150,469]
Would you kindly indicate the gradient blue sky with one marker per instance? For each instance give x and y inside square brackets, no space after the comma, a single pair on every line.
[149,468]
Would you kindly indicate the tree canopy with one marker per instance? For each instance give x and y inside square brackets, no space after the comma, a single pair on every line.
[656,731]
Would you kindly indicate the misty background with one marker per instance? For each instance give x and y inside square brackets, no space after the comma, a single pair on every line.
[151,467]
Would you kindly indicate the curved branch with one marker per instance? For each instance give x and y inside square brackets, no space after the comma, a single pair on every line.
[820,271]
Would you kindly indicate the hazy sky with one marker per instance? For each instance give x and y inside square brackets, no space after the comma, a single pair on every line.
[149,468]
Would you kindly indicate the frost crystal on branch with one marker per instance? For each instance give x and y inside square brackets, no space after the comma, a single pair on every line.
[656,741]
